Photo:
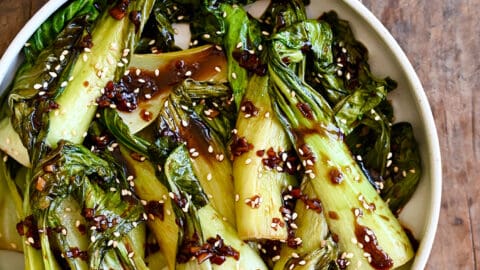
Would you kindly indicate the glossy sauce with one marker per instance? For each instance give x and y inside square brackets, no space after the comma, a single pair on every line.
[379,259]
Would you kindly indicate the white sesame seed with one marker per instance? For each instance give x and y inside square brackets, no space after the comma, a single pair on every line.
[218,69]
[37,86]
[239,45]
[209,176]
[248,161]
[234,75]
[157,72]
[389,163]
[188,73]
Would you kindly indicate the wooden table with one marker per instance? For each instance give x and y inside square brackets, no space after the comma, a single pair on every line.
[442,40]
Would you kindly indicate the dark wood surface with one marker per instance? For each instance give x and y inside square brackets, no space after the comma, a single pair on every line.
[442,40]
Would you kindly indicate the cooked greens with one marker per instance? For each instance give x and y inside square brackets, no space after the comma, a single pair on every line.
[269,143]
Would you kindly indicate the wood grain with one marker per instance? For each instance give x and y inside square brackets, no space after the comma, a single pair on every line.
[442,40]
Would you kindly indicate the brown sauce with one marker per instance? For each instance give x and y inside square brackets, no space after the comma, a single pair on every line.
[379,258]
[139,86]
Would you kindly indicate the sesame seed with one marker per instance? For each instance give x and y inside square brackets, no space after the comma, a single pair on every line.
[184,123]
[141,80]
[237,197]
[148,96]
[239,45]
[188,73]
[92,238]
[339,72]
[389,163]
[295,255]
[37,86]
[195,154]
[265,33]
[359,158]
[348,76]
[234,75]
[210,149]
[157,72]
[218,69]
[248,161]
[209,176]
[206,36]
[30,240]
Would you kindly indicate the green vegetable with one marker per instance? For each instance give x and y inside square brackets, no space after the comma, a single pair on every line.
[46,34]
[209,158]
[260,178]
[11,209]
[207,56]
[313,232]
[405,171]
[48,96]
[207,222]
[336,177]
[72,180]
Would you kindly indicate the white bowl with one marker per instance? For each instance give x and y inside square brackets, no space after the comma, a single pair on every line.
[386,58]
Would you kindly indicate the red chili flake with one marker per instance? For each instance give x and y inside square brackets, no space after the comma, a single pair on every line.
[254,201]
[250,62]
[314,204]
[277,222]
[52,105]
[75,252]
[28,228]
[86,42]
[342,263]
[135,17]
[305,110]
[88,213]
[239,146]
[138,157]
[336,177]
[146,115]
[249,108]
[214,249]
[119,10]
[155,208]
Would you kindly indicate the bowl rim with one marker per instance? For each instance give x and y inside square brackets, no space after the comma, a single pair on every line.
[416,89]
